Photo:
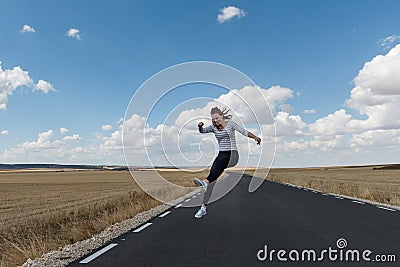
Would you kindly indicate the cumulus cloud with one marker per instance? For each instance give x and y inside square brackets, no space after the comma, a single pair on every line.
[377,92]
[44,86]
[375,95]
[4,132]
[337,138]
[46,148]
[73,137]
[11,79]
[289,125]
[336,123]
[63,130]
[106,127]
[74,33]
[385,138]
[229,12]
[244,103]
[27,28]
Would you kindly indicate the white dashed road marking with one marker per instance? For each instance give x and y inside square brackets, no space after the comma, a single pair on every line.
[164,214]
[187,200]
[339,197]
[98,253]
[358,202]
[142,227]
[384,208]
[177,206]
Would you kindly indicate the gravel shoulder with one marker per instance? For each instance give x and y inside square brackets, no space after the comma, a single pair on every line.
[72,252]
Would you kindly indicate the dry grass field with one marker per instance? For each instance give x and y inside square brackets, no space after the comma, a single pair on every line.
[42,211]
[370,182]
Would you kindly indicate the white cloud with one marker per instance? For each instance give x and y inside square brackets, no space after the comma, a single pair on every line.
[74,33]
[27,28]
[180,140]
[389,41]
[377,92]
[73,137]
[309,111]
[106,127]
[338,138]
[286,108]
[4,132]
[229,12]
[336,123]
[63,130]
[45,149]
[376,95]
[289,125]
[385,138]
[11,79]
[44,86]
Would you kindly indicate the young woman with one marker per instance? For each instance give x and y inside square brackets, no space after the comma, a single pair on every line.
[224,130]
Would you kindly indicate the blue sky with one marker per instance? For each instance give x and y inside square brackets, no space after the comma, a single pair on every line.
[314,48]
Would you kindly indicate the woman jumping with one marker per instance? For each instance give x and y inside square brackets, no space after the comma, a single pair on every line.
[224,130]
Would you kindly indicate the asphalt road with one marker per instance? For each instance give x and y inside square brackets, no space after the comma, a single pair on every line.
[242,229]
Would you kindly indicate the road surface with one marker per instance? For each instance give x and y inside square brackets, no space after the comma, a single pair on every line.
[243,229]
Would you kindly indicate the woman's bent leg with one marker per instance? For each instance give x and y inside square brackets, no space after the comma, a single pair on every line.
[218,167]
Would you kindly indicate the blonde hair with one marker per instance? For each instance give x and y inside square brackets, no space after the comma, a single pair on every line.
[224,112]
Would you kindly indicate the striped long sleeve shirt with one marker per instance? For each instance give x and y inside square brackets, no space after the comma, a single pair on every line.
[226,137]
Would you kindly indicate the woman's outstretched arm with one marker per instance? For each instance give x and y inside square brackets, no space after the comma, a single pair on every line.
[207,129]
[245,132]
[257,139]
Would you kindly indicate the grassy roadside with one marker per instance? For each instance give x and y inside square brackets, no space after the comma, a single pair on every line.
[379,185]
[45,211]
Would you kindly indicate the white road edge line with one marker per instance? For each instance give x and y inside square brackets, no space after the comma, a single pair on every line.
[177,206]
[98,253]
[187,200]
[142,227]
[339,197]
[164,214]
[384,208]
[358,202]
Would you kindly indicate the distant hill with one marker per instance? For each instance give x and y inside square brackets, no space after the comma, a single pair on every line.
[388,167]
[59,166]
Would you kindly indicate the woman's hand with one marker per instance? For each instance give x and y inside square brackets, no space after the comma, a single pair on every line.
[200,125]
[251,135]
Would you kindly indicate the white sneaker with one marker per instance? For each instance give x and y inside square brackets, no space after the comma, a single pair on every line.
[202,211]
[202,183]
